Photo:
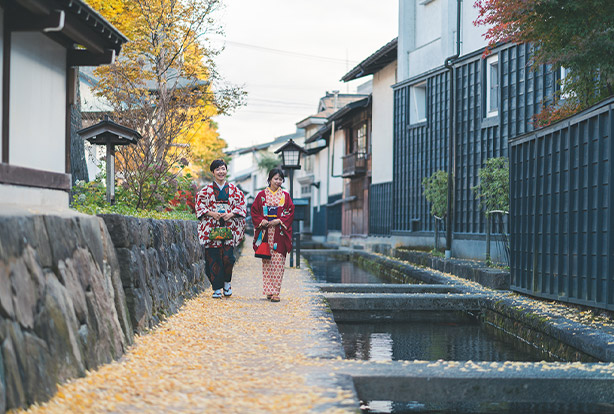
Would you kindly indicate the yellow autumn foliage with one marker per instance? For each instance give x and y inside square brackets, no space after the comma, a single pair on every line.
[161,86]
[241,354]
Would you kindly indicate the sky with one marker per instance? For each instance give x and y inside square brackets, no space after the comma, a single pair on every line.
[288,53]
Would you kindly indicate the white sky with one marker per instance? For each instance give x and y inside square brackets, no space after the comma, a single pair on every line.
[288,53]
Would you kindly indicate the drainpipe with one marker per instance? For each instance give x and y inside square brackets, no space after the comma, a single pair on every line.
[448,63]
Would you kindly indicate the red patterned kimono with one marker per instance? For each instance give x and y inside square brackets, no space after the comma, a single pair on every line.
[219,254]
[206,200]
[279,237]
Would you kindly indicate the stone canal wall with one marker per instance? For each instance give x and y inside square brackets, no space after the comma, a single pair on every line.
[75,288]
[470,270]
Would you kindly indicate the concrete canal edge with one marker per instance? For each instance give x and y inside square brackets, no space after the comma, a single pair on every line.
[531,320]
[494,385]
[483,386]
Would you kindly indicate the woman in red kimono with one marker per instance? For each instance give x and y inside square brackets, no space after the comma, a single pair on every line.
[273,213]
[220,203]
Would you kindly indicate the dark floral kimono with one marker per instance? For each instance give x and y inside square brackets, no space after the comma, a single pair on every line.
[219,254]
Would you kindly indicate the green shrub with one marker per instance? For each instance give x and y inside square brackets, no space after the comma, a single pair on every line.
[436,192]
[493,189]
[90,198]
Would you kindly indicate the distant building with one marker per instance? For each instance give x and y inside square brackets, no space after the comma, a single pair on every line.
[367,166]
[243,168]
[322,182]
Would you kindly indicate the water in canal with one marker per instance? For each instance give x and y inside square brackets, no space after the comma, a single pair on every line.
[430,341]
[336,269]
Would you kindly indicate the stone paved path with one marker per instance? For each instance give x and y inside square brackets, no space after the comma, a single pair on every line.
[242,354]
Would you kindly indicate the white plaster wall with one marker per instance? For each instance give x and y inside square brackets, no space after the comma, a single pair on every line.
[472,37]
[427,34]
[382,128]
[428,18]
[319,175]
[89,101]
[1,54]
[425,58]
[37,120]
[336,183]
[94,155]
[406,39]
[35,198]
[242,164]
[329,185]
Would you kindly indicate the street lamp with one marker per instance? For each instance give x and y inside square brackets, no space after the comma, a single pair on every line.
[290,161]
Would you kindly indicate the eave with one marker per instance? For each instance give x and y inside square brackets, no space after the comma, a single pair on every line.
[374,63]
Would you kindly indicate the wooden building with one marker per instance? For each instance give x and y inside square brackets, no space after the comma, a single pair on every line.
[43,42]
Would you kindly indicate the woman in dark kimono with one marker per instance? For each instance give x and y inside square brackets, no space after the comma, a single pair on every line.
[220,203]
[273,212]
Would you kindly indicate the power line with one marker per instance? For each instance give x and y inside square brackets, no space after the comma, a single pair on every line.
[290,53]
[278,102]
[256,111]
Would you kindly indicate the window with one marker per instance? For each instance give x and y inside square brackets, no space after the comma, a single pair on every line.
[308,163]
[565,73]
[417,102]
[492,86]
[361,139]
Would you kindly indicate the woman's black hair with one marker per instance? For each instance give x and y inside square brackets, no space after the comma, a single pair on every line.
[216,164]
[274,172]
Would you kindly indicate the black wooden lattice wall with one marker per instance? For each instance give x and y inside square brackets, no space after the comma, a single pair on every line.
[422,149]
[380,208]
[561,221]
[419,151]
[333,213]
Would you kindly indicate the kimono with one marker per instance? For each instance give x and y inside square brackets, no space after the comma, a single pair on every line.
[219,254]
[274,205]
[207,200]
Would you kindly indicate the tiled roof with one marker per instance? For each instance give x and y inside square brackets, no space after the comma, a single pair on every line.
[326,106]
[377,61]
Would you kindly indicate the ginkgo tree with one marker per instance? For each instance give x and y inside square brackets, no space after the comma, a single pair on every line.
[165,85]
[575,34]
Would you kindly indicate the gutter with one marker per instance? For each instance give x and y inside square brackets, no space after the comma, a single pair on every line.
[448,63]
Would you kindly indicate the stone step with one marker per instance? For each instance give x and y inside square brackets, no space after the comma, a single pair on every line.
[386,288]
[363,307]
[405,301]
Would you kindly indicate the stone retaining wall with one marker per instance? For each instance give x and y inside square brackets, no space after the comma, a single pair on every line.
[62,306]
[161,263]
[74,288]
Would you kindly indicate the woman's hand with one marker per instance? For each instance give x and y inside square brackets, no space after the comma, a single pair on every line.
[263,223]
[214,214]
[275,222]
[227,216]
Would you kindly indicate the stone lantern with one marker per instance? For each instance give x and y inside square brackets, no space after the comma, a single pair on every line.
[109,134]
